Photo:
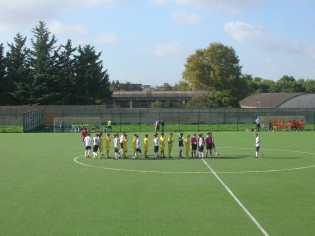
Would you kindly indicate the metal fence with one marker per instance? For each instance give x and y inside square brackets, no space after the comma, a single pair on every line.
[11,118]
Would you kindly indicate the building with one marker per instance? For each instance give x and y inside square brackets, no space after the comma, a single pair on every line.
[279,100]
[143,99]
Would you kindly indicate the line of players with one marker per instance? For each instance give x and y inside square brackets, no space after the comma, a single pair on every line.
[194,146]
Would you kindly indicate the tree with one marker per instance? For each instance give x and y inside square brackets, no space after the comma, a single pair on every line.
[216,68]
[92,82]
[221,99]
[199,100]
[65,69]
[18,71]
[265,86]
[46,83]
[182,86]
[286,84]
[3,79]
[309,86]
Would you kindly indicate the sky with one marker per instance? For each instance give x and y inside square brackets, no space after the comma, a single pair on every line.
[149,41]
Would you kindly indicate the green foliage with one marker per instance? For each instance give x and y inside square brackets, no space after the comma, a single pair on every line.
[199,101]
[222,99]
[216,68]
[51,74]
[3,79]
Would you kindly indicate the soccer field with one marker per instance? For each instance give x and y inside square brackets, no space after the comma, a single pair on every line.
[49,188]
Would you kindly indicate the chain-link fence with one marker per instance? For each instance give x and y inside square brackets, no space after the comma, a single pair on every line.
[137,120]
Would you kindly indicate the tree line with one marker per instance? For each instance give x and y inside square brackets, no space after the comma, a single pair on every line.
[47,73]
[216,69]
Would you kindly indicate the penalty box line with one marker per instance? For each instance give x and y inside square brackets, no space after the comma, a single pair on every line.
[250,215]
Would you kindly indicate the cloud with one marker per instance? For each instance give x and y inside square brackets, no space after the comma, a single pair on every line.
[15,13]
[184,18]
[168,49]
[241,31]
[256,35]
[160,2]
[56,27]
[230,6]
[107,38]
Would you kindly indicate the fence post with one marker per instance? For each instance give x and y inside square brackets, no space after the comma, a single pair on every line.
[178,121]
[236,121]
[119,121]
[140,120]
[198,120]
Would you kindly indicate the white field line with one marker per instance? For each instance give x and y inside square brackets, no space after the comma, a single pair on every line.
[139,171]
[219,172]
[237,200]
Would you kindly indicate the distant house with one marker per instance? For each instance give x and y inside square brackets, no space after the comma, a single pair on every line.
[279,100]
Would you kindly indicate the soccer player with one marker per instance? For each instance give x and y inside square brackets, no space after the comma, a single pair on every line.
[100,145]
[125,145]
[162,144]
[162,124]
[209,144]
[96,140]
[107,141]
[180,144]
[187,144]
[194,144]
[121,141]
[109,126]
[134,139]
[84,133]
[156,146]
[138,148]
[146,145]
[170,144]
[201,144]
[258,123]
[116,146]
[87,143]
[257,146]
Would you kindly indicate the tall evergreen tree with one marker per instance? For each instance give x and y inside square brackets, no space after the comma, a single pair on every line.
[3,79]
[65,67]
[18,71]
[45,84]
[92,82]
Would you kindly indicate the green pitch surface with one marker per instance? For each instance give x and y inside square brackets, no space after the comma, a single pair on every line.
[49,188]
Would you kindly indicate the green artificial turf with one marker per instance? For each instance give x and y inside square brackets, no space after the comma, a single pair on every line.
[49,188]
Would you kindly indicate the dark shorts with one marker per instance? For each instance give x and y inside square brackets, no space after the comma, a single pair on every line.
[257,149]
[200,149]
[121,145]
[156,148]
[194,147]
[209,146]
[95,148]
[87,147]
[138,150]
[116,150]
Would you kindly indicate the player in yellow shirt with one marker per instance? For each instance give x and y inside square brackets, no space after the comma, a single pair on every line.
[125,146]
[107,141]
[170,144]
[187,144]
[162,144]
[146,145]
[100,145]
